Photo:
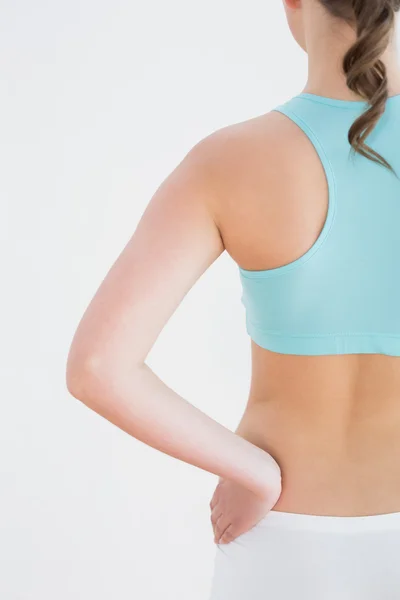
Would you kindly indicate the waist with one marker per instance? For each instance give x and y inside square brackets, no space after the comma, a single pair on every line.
[286,521]
[331,464]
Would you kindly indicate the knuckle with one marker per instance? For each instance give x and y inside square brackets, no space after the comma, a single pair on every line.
[227,537]
[220,518]
[217,528]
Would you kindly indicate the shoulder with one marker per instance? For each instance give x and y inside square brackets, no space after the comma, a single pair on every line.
[218,166]
[267,186]
[254,170]
[266,145]
[235,141]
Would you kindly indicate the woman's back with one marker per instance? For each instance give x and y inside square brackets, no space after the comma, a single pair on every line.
[314,231]
[316,234]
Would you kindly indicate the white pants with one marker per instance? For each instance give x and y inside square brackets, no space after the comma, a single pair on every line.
[289,556]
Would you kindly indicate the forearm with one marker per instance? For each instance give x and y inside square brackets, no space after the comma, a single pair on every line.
[146,408]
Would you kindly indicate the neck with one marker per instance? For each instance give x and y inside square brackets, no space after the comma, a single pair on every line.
[326,46]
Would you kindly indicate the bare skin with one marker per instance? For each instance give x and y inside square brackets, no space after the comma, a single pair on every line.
[320,434]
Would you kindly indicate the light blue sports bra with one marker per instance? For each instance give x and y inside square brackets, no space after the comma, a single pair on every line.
[343,295]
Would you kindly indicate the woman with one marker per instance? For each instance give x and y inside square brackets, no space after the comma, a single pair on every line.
[306,200]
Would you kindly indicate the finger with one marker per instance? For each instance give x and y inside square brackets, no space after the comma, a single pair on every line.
[217,525]
[215,514]
[227,536]
[214,499]
[220,528]
[213,502]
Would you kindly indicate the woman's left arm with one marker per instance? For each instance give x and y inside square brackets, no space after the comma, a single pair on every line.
[176,240]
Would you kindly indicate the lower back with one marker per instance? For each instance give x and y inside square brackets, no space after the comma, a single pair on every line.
[333,425]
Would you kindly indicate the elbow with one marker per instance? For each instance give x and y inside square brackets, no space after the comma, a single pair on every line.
[90,374]
[89,370]
[83,375]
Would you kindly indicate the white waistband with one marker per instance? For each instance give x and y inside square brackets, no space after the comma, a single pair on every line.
[286,520]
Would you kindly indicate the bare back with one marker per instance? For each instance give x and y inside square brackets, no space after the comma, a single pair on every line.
[331,422]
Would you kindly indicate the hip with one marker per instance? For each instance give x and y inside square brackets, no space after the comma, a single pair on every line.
[308,557]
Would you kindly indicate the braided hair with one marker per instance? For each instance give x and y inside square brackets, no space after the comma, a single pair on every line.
[373,21]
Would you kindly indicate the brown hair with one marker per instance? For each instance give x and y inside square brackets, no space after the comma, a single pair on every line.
[365,72]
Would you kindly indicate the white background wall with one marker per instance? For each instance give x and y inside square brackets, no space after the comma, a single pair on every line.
[99,101]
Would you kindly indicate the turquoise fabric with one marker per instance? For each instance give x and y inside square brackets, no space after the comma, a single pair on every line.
[343,295]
